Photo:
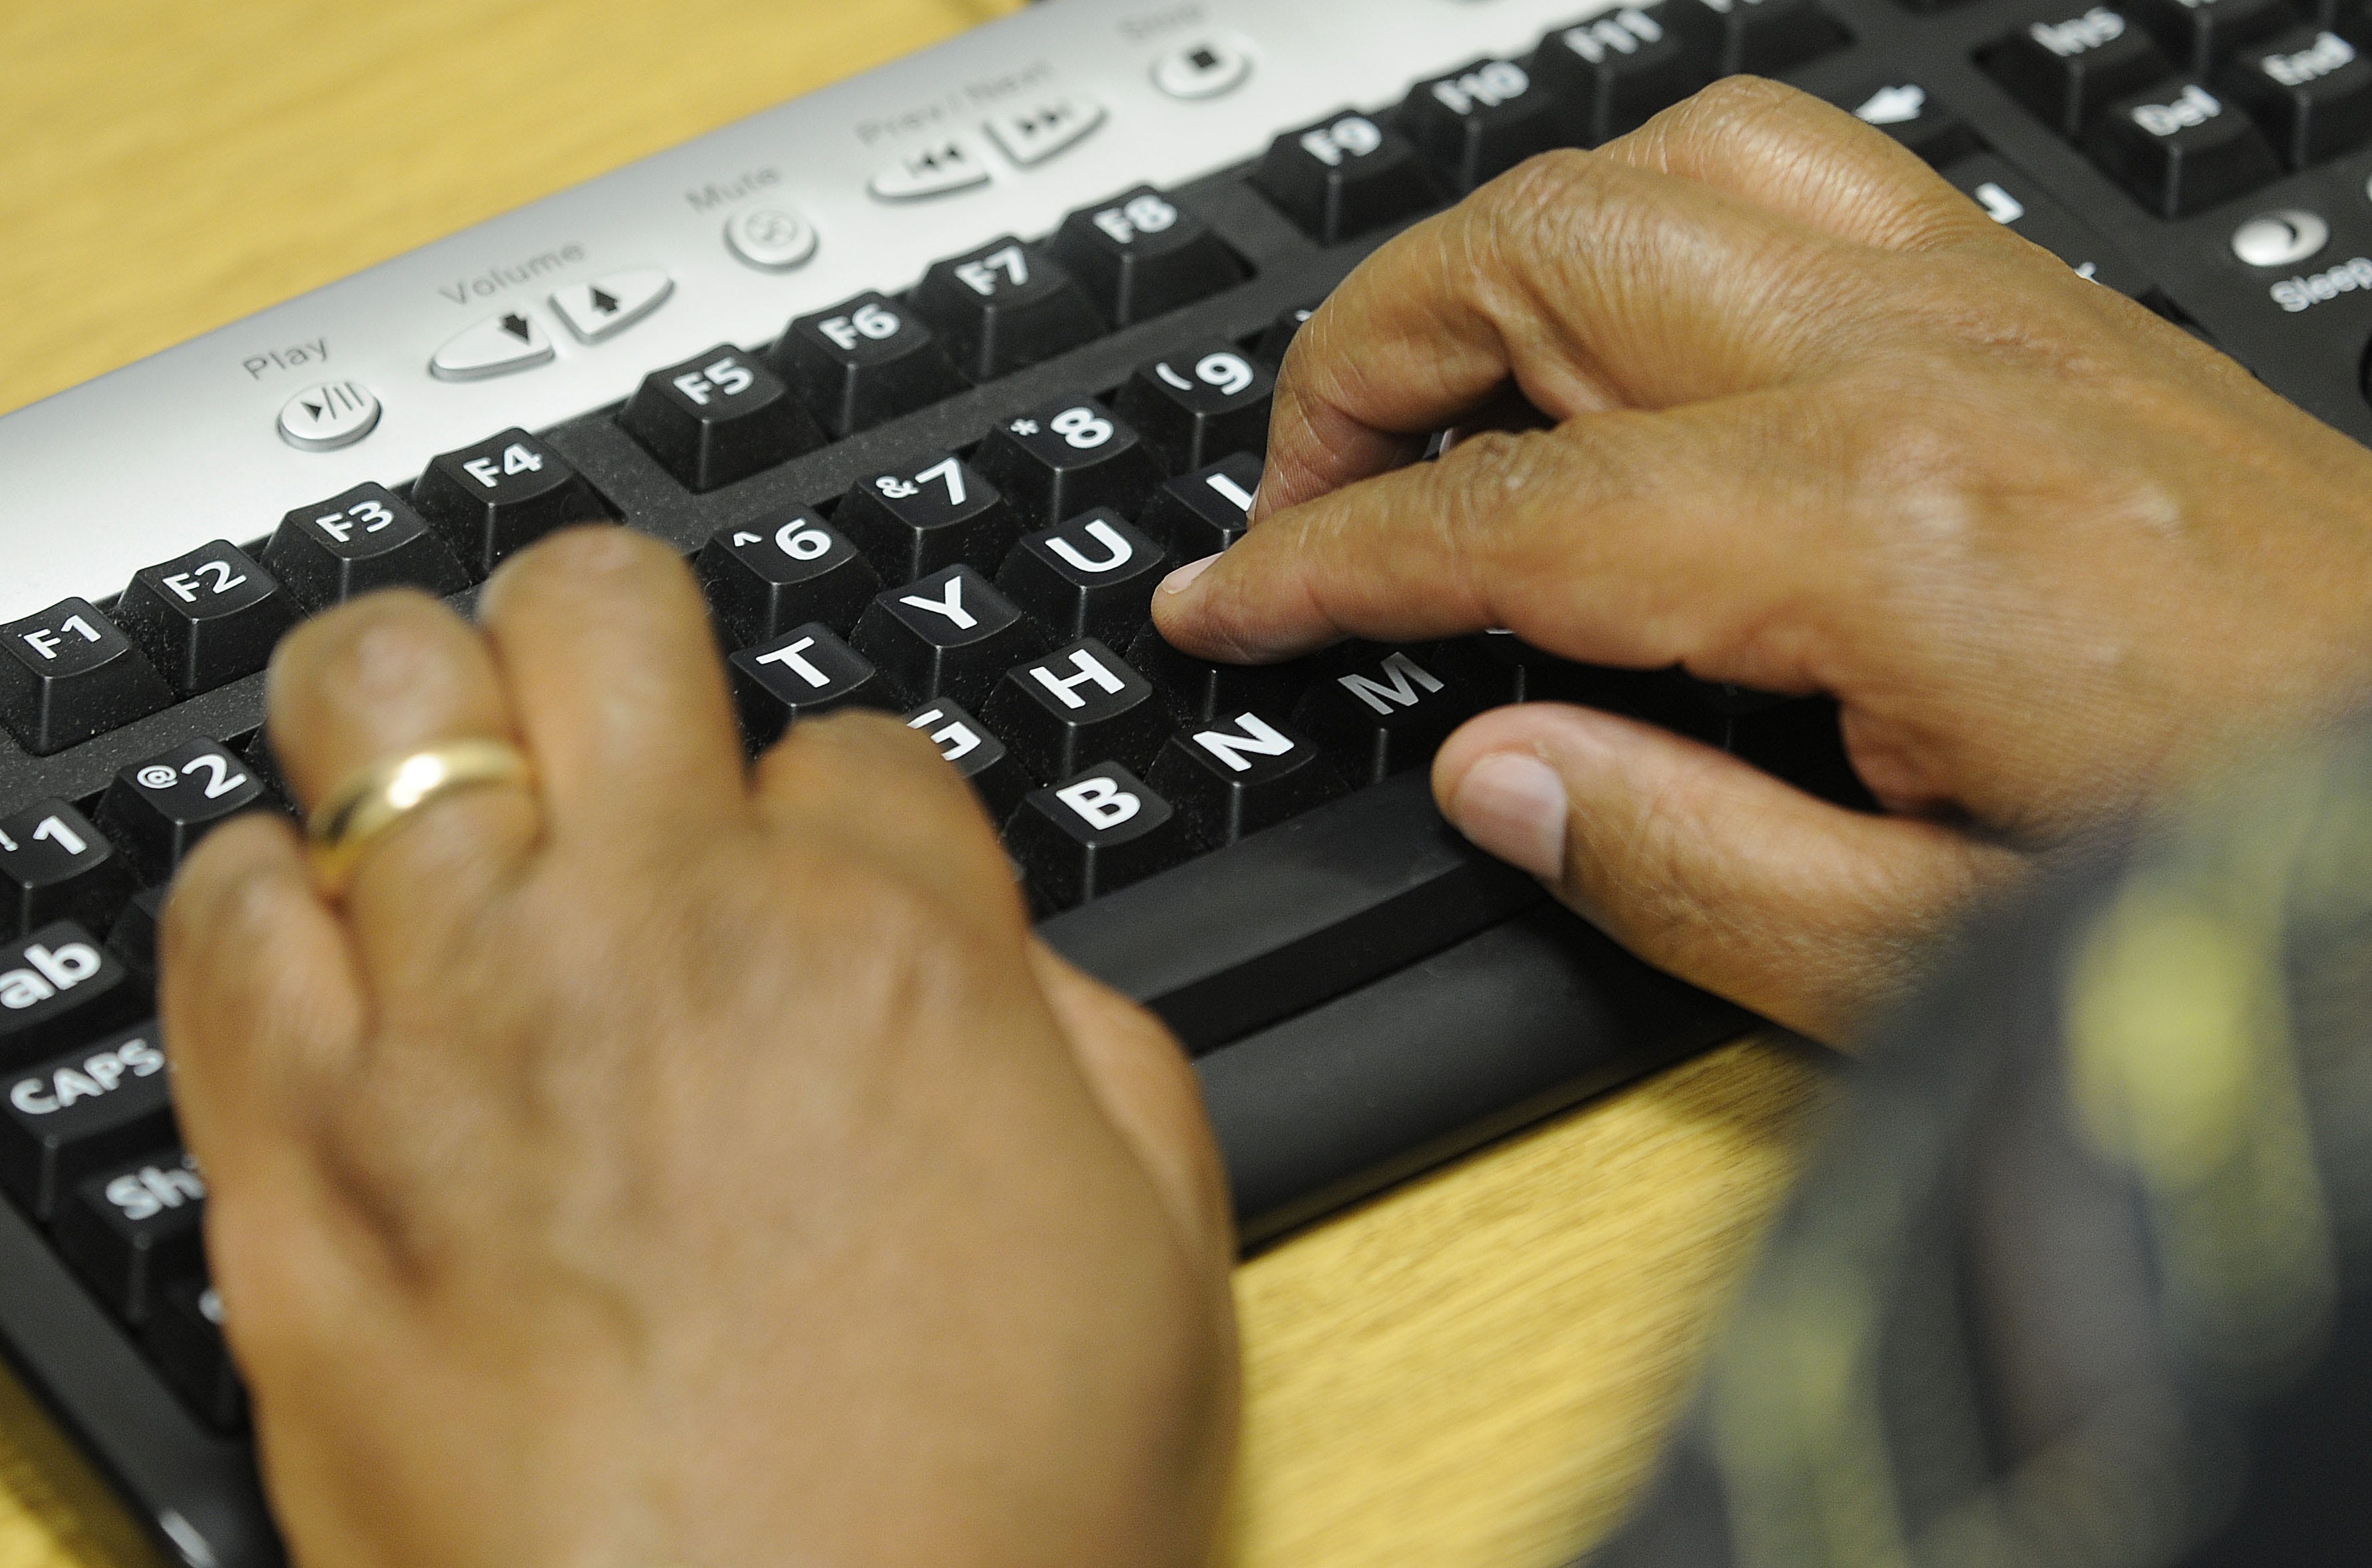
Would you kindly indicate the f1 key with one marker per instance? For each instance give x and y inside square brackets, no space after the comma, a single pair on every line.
[69,673]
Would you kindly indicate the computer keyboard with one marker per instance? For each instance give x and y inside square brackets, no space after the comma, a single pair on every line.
[931,375]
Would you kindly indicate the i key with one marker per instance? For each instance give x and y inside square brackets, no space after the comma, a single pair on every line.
[368,538]
[772,573]
[1345,176]
[928,514]
[1005,307]
[1078,705]
[1066,458]
[1383,713]
[157,810]
[137,1229]
[951,634]
[501,495]
[864,361]
[68,674]
[717,418]
[59,988]
[993,771]
[1205,402]
[1480,121]
[1611,76]
[205,618]
[56,866]
[805,671]
[1241,775]
[1092,576]
[1202,513]
[1093,834]
[79,1113]
[1142,255]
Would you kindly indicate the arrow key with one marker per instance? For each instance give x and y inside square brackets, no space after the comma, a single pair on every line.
[610,305]
[496,346]
[1912,115]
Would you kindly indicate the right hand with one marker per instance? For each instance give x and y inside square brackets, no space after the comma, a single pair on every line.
[1820,425]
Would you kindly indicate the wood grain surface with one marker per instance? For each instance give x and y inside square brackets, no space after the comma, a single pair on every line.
[1473,1370]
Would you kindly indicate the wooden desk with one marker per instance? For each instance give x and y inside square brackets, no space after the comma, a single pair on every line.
[1470,1371]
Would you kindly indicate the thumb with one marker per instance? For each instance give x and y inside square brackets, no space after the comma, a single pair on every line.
[1810,914]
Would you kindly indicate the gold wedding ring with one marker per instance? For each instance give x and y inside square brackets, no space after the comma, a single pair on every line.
[384,794]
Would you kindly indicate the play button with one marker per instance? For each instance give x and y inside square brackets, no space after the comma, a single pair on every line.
[329,415]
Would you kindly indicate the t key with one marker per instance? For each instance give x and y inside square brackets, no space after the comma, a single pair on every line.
[1141,255]
[928,514]
[56,866]
[864,361]
[1202,513]
[1066,458]
[1345,176]
[1092,834]
[801,673]
[717,418]
[1092,576]
[1243,775]
[772,573]
[1004,306]
[68,674]
[1203,403]
[368,538]
[1480,121]
[206,617]
[1078,705]
[951,634]
[502,495]
[157,810]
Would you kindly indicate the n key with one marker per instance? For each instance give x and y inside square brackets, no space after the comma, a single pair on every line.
[1243,775]
[368,538]
[1005,307]
[864,361]
[501,495]
[717,418]
[56,866]
[68,674]
[775,571]
[1142,255]
[206,617]
[1345,176]
[1200,405]
[157,810]
[1480,121]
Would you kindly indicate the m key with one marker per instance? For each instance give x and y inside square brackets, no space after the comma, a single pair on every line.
[1384,713]
[501,495]
[717,418]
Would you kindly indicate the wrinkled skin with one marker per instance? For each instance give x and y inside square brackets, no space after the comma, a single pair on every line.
[672,1162]
[1818,424]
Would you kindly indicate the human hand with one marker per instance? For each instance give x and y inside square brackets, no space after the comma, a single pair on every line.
[1819,425]
[670,1164]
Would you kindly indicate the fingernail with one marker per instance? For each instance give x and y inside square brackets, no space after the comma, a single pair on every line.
[1178,582]
[1513,806]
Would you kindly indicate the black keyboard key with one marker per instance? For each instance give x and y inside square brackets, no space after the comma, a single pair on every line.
[1092,576]
[2067,68]
[1005,307]
[1498,667]
[1093,834]
[1279,334]
[1074,706]
[133,937]
[1318,906]
[805,671]
[501,495]
[1345,176]
[1243,774]
[1383,712]
[1202,513]
[2309,91]
[59,989]
[991,770]
[1759,36]
[1613,75]
[82,1111]
[770,573]
[156,811]
[718,417]
[1204,402]
[367,537]
[951,634]
[926,515]
[137,1229]
[206,617]
[864,361]
[1478,122]
[2180,150]
[56,866]
[1196,690]
[185,1335]
[68,674]
[2023,207]
[2199,36]
[1142,255]
[1067,457]
[1912,115]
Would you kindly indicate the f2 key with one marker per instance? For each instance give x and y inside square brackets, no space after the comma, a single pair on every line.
[206,617]
[501,495]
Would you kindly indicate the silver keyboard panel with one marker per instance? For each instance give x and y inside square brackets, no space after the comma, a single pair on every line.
[186,445]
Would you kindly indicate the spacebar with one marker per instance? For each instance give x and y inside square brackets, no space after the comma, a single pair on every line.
[1294,916]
